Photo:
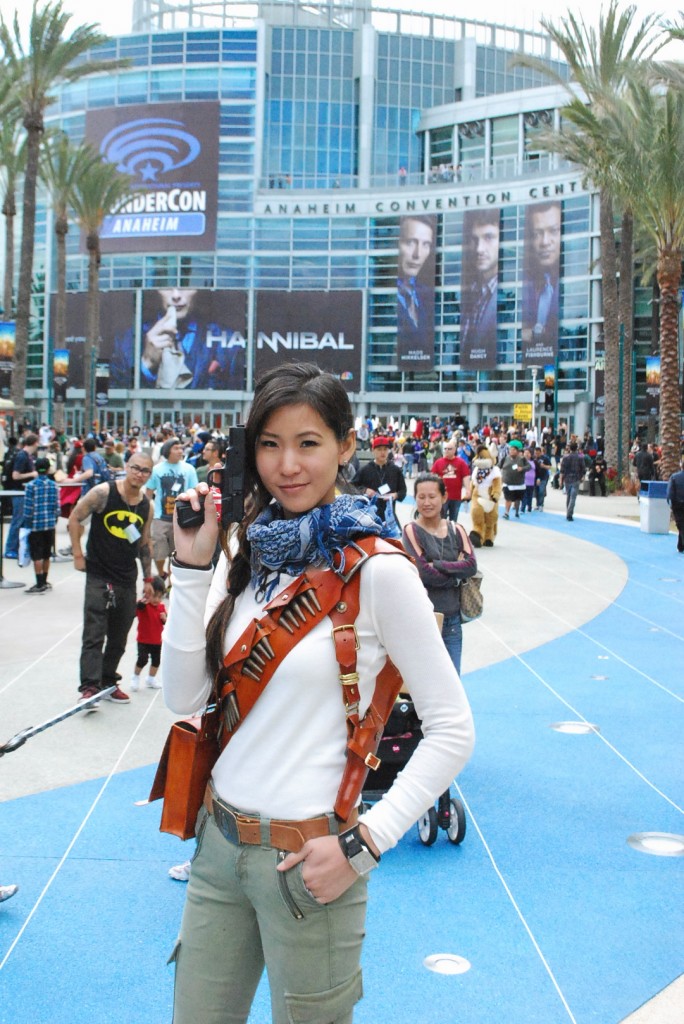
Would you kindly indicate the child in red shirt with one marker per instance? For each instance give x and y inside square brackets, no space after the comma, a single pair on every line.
[151,615]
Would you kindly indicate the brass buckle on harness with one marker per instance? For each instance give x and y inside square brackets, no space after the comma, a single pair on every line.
[345,577]
[350,625]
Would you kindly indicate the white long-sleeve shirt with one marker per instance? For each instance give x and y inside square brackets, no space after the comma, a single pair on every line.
[287,757]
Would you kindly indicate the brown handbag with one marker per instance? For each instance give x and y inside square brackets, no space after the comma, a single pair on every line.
[190,752]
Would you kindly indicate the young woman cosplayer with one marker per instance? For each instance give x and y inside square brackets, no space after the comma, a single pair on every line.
[444,556]
[277,880]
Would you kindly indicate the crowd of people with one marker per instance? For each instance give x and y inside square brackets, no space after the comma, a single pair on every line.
[126,488]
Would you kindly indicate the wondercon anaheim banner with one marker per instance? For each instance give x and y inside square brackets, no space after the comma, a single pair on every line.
[171,152]
[316,327]
[117,317]
[416,272]
[541,275]
[480,289]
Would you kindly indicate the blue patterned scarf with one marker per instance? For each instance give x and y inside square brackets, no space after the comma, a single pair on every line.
[289,545]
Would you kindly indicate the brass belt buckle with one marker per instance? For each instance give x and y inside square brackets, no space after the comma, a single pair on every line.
[226,822]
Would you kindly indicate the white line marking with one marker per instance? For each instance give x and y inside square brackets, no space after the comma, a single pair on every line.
[529,600]
[39,659]
[599,735]
[80,828]
[514,904]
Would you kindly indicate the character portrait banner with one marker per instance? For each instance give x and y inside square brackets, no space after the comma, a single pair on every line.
[60,374]
[541,283]
[416,273]
[653,385]
[117,314]
[8,331]
[102,385]
[171,152]
[318,327]
[480,288]
[192,339]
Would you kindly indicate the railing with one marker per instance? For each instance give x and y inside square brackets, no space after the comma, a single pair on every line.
[470,171]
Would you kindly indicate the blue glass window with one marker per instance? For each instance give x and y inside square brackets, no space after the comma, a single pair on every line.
[165,86]
[201,84]
[133,88]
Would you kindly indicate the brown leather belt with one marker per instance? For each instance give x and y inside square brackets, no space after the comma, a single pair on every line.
[253,830]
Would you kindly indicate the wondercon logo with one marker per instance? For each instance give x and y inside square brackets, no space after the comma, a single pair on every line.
[149,147]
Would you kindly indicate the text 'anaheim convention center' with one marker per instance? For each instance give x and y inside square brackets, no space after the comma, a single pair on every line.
[333,182]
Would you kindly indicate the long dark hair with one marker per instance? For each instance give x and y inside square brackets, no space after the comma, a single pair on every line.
[289,384]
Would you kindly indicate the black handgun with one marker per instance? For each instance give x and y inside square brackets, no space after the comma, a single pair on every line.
[231,480]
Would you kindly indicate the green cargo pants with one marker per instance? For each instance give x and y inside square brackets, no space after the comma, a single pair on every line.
[241,914]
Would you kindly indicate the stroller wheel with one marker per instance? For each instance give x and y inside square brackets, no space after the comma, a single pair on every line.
[428,827]
[457,826]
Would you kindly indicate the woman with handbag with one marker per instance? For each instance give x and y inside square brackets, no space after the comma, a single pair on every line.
[279,878]
[444,556]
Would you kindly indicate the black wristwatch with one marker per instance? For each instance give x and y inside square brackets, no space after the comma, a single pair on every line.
[358,852]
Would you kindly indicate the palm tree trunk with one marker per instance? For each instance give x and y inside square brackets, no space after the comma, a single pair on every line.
[627,320]
[34,129]
[669,278]
[611,327]
[9,209]
[92,344]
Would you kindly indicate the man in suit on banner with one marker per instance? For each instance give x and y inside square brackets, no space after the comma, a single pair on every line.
[480,288]
[541,283]
[416,293]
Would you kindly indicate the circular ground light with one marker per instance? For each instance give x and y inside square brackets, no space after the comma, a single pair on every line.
[576,728]
[446,963]
[660,844]
[654,629]
[600,677]
[604,657]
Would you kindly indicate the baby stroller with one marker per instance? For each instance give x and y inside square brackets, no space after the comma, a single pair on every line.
[400,738]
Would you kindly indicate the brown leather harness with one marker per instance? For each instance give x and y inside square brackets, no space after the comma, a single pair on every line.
[253,659]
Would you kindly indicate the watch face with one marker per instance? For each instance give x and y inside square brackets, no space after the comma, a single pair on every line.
[363,861]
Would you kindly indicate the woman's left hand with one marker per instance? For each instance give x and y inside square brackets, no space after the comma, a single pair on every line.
[326,872]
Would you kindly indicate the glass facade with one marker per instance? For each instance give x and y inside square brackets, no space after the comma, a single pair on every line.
[310,200]
[311,109]
[412,74]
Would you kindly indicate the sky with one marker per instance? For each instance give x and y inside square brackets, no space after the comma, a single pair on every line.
[115,17]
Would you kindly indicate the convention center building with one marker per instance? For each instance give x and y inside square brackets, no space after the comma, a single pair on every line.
[335,182]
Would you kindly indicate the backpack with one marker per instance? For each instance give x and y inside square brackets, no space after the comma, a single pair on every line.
[102,474]
[7,467]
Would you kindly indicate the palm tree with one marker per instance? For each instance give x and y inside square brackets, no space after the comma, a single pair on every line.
[600,61]
[101,190]
[61,166]
[646,140]
[51,59]
[12,156]
[12,162]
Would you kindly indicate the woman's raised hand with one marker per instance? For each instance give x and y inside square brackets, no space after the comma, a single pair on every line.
[197,546]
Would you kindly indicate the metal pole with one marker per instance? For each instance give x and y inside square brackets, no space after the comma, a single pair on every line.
[621,353]
[632,397]
[91,410]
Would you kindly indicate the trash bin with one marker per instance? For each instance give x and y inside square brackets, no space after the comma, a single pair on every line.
[653,507]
